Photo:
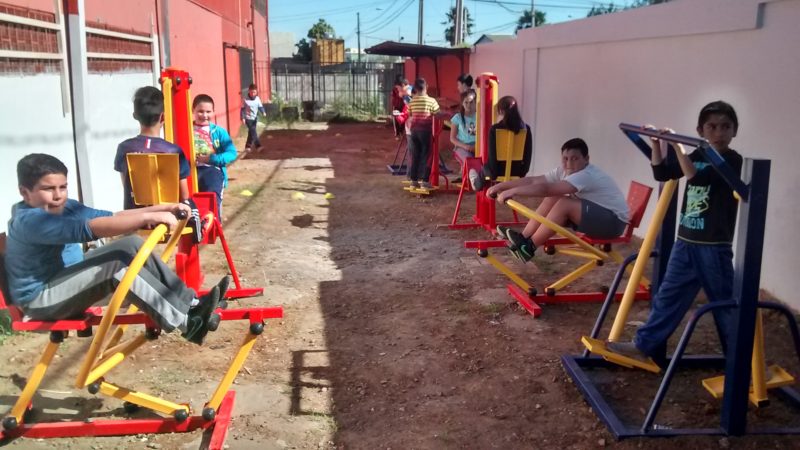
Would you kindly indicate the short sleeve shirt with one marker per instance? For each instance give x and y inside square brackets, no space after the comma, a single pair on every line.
[465,128]
[145,144]
[595,186]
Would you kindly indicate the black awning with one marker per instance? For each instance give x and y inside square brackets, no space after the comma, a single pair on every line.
[391,48]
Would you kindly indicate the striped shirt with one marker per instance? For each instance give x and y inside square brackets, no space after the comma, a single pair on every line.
[422,109]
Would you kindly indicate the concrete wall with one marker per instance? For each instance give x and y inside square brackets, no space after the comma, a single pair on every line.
[32,127]
[661,64]
[110,115]
[281,44]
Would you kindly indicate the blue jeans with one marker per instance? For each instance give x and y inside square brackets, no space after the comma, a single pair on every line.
[252,134]
[210,179]
[690,267]
[419,144]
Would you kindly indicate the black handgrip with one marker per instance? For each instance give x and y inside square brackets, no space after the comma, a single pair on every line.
[181,214]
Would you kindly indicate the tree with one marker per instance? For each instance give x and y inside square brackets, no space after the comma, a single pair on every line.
[526,19]
[612,8]
[319,30]
[450,31]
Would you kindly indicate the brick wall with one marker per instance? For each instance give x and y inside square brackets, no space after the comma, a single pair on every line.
[29,39]
[106,44]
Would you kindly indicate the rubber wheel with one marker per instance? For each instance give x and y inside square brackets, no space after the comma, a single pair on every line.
[550,292]
[549,250]
[483,253]
[10,423]
[604,290]
[130,408]
[532,292]
[257,328]
[181,415]
[94,388]
[209,414]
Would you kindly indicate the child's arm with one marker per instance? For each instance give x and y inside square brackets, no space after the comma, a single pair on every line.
[663,171]
[261,108]
[130,220]
[558,188]
[225,153]
[184,189]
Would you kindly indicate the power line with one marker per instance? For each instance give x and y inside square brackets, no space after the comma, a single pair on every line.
[391,19]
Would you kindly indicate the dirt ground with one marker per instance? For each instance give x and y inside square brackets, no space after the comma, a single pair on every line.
[394,335]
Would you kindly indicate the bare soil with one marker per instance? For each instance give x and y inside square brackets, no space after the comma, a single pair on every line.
[394,335]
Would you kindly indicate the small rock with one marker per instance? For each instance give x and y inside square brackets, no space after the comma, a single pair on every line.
[724,443]
[153,445]
[281,443]
[601,442]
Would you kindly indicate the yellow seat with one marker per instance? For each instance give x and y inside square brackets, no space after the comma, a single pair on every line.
[155,178]
[509,147]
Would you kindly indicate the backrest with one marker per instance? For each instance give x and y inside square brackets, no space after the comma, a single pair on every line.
[509,147]
[638,196]
[15,313]
[155,178]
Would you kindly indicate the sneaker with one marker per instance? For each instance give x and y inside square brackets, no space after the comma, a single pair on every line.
[502,231]
[475,180]
[628,349]
[522,247]
[425,185]
[414,184]
[456,180]
[197,324]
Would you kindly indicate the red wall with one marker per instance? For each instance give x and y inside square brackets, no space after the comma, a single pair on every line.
[449,68]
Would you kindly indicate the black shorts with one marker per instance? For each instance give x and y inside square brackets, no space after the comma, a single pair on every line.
[599,222]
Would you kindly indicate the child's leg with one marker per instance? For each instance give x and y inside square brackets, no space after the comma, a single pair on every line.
[156,290]
[425,155]
[252,133]
[544,209]
[414,148]
[675,296]
[716,277]
[210,179]
[563,210]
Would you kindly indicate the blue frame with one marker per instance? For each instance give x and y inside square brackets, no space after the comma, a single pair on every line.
[747,268]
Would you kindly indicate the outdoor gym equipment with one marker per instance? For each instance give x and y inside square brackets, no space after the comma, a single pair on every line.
[747,378]
[596,252]
[175,84]
[485,208]
[107,350]
[399,166]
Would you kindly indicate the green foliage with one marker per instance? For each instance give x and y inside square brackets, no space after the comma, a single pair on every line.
[319,30]
[526,19]
[5,325]
[346,112]
[612,8]
[450,31]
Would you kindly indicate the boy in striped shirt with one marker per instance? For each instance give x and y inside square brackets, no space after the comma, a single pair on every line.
[422,109]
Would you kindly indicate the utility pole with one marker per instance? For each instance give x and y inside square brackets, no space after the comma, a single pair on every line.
[459,23]
[358,31]
[533,14]
[419,23]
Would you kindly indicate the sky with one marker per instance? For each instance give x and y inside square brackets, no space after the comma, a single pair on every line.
[392,19]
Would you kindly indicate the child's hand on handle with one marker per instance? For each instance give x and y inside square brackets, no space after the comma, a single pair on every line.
[201,159]
[181,210]
[168,218]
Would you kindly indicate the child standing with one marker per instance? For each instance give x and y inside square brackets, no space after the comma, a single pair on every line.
[422,109]
[44,289]
[213,149]
[250,109]
[702,255]
[462,129]
[148,109]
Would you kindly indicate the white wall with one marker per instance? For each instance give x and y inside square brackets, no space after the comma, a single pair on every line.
[32,121]
[660,65]
[111,121]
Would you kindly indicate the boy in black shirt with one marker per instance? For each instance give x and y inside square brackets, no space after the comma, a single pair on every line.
[702,255]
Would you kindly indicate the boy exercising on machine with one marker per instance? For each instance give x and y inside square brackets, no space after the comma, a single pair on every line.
[576,192]
[44,289]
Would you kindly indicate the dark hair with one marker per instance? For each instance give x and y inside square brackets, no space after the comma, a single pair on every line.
[718,107]
[420,84]
[465,79]
[148,105]
[576,144]
[464,96]
[252,86]
[202,98]
[31,168]
[512,120]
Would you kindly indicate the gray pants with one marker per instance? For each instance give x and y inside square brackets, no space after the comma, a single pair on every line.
[156,290]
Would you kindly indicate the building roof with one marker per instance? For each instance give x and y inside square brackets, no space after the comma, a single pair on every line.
[392,48]
[486,38]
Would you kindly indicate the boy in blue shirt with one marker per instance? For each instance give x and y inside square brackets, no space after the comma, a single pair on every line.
[251,106]
[44,289]
[702,255]
[148,109]
[213,149]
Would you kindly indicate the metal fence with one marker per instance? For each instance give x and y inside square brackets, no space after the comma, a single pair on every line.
[365,86]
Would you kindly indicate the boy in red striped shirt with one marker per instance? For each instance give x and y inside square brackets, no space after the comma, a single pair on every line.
[422,109]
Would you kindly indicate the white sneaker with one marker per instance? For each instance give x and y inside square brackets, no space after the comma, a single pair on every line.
[475,180]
